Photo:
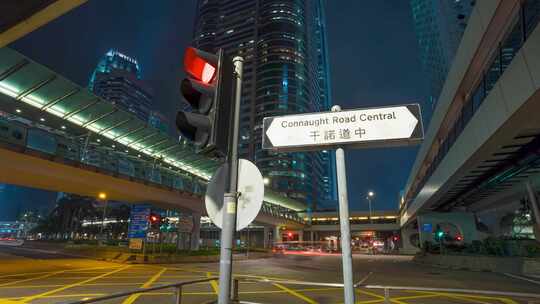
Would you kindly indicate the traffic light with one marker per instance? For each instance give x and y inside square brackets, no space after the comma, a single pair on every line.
[208,90]
[459,238]
[154,219]
[439,233]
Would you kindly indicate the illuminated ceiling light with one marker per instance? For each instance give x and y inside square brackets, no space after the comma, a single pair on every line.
[113,146]
[138,155]
[18,110]
[42,119]
[98,140]
[63,127]
[127,151]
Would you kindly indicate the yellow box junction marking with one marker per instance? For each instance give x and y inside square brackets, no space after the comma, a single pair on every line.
[50,292]
[213,283]
[31,279]
[296,294]
[147,284]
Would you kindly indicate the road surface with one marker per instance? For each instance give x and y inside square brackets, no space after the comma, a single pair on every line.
[42,276]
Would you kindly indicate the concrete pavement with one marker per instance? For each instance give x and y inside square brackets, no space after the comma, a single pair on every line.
[35,277]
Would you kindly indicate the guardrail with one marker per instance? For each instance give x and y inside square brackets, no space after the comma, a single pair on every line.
[177,286]
[237,280]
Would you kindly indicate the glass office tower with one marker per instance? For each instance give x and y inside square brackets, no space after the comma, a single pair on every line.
[117,78]
[283,43]
[439,26]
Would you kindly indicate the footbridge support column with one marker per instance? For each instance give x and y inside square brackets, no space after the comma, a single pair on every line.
[196,232]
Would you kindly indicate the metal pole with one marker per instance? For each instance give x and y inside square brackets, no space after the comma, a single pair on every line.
[386,295]
[231,197]
[179,294]
[370,212]
[248,242]
[348,285]
[103,218]
[236,288]
[534,203]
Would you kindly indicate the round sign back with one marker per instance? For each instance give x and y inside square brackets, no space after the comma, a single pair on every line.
[250,187]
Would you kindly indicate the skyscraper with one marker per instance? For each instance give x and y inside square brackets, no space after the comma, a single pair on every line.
[117,78]
[283,43]
[439,26]
[323,72]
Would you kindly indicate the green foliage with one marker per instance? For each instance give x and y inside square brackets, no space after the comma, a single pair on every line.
[493,247]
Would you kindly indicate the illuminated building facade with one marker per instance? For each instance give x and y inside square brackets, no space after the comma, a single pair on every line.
[283,43]
[117,78]
[439,26]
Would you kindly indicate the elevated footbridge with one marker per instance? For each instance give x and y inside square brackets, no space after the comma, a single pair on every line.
[58,136]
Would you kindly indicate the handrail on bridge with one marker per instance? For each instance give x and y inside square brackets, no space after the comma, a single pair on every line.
[236,299]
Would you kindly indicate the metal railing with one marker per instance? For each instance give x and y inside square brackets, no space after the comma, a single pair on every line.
[177,286]
[236,284]
[100,158]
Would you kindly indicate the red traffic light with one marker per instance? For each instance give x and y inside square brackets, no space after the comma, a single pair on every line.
[199,65]
[459,238]
[153,218]
[289,234]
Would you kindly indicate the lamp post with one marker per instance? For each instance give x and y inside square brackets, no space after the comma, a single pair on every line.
[369,196]
[103,197]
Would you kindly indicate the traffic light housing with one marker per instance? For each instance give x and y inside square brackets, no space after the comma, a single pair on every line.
[208,90]
[154,219]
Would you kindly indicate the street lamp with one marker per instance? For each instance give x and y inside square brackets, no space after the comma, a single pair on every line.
[103,197]
[266,181]
[370,195]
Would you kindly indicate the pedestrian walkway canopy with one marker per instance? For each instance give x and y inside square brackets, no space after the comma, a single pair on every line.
[34,84]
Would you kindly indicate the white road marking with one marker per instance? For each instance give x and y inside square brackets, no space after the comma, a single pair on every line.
[521,278]
[364,279]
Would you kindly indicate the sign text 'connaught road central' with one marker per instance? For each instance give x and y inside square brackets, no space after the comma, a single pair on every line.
[395,125]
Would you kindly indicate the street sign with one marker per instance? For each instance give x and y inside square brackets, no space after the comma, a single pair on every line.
[136,244]
[360,128]
[138,221]
[250,187]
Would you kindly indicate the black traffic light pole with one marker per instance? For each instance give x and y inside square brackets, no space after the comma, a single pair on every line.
[230,200]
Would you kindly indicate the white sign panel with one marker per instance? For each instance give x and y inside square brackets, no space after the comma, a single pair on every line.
[250,187]
[387,126]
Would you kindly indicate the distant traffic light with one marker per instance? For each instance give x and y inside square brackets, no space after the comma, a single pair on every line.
[439,234]
[459,238]
[154,219]
[208,90]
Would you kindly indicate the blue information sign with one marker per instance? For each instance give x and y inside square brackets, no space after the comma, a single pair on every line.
[138,224]
[427,227]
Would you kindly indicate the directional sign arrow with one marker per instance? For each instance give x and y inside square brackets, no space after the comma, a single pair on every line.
[396,125]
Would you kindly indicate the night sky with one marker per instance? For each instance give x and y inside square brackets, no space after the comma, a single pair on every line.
[373,57]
